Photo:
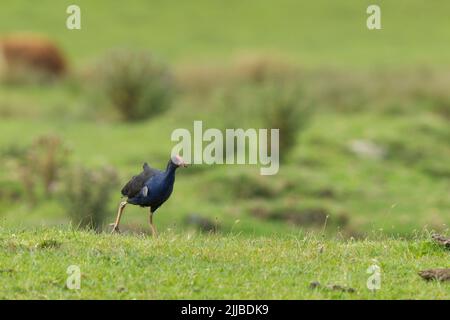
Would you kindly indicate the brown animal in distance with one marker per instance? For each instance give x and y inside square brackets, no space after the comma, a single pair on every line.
[31,52]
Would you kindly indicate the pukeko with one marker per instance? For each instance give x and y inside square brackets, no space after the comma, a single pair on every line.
[151,188]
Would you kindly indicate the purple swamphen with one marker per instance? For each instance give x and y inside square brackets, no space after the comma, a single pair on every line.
[151,188]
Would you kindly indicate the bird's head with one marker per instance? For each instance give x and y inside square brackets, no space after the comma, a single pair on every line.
[178,161]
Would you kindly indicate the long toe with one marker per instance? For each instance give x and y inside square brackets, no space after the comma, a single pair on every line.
[115,229]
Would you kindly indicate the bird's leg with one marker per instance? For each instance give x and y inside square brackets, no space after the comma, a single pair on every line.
[152,226]
[115,225]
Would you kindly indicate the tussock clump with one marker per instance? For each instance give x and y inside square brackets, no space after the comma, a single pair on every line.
[86,195]
[37,167]
[270,106]
[136,84]
[284,109]
[48,155]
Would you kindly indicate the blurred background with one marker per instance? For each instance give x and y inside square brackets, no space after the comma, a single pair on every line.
[363,115]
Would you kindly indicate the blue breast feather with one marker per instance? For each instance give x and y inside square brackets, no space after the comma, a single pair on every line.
[156,190]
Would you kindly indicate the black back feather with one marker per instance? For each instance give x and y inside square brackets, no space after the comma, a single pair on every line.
[134,186]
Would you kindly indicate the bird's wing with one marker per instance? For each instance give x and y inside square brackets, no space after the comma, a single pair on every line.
[145,191]
[137,183]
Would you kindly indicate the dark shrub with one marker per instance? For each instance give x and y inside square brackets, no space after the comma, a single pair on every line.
[38,166]
[86,196]
[48,156]
[284,109]
[136,84]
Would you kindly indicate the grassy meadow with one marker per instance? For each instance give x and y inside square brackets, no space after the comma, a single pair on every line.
[315,33]
[180,266]
[365,171]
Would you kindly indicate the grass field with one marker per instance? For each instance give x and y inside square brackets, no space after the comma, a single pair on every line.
[314,33]
[368,172]
[181,266]
[406,190]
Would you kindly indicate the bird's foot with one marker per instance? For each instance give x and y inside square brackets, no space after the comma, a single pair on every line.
[154,234]
[115,228]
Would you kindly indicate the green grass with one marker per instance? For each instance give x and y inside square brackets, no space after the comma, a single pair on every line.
[388,87]
[33,265]
[317,33]
[406,191]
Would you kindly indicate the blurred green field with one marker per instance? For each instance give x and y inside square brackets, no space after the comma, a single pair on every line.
[314,33]
[405,190]
[402,192]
